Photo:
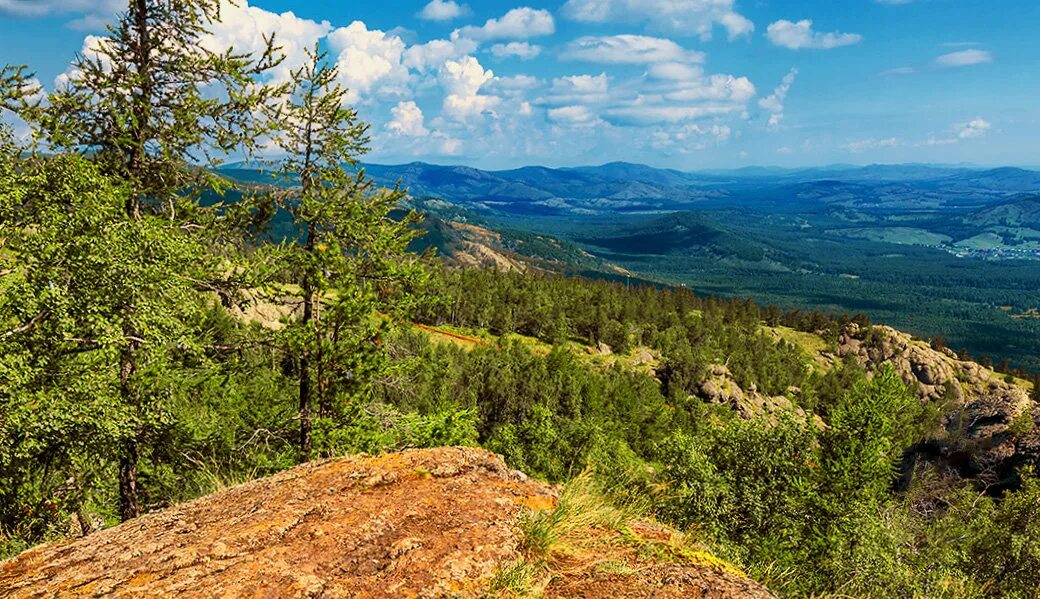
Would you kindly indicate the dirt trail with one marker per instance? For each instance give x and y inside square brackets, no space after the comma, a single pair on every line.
[423,523]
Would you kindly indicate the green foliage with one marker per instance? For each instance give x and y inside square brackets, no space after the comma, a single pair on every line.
[786,495]
[1005,546]
[76,266]
[350,259]
[151,99]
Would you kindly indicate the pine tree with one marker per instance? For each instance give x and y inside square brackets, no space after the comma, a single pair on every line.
[349,256]
[17,89]
[148,104]
[150,101]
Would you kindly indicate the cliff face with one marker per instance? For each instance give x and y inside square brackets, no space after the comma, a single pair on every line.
[990,424]
[429,523]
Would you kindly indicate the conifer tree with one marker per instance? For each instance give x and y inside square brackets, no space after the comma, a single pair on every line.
[150,105]
[150,102]
[17,89]
[349,257]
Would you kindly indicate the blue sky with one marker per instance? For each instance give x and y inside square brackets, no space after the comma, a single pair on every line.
[689,84]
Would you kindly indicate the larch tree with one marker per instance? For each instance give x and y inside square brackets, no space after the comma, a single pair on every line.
[348,261]
[151,107]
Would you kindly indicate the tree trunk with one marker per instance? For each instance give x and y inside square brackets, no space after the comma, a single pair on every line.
[306,423]
[129,499]
[306,393]
[142,106]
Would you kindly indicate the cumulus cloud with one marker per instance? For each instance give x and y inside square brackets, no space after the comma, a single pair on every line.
[443,10]
[407,120]
[681,17]
[628,49]
[433,54]
[640,114]
[668,93]
[578,89]
[796,36]
[91,50]
[974,128]
[243,28]
[462,81]
[863,145]
[517,24]
[964,58]
[675,71]
[690,137]
[521,50]
[724,88]
[774,103]
[573,116]
[370,62]
[511,86]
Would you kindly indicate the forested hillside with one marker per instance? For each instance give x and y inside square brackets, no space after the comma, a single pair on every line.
[935,251]
[158,344]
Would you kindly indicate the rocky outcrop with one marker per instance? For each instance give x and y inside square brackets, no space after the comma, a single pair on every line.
[990,424]
[424,523]
[721,388]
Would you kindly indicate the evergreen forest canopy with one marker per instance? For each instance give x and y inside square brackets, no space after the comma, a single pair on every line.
[155,347]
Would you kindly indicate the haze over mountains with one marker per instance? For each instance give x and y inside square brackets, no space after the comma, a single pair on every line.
[624,187]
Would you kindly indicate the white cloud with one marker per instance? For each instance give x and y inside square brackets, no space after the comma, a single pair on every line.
[628,49]
[681,17]
[723,88]
[512,86]
[517,24]
[433,54]
[796,36]
[243,27]
[690,137]
[573,116]
[640,114]
[974,128]
[578,89]
[860,146]
[91,50]
[370,62]
[407,120]
[964,58]
[462,81]
[522,50]
[774,103]
[94,14]
[448,145]
[443,10]
[898,71]
[675,71]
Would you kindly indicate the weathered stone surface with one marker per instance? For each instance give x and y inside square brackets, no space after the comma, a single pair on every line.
[423,523]
[979,405]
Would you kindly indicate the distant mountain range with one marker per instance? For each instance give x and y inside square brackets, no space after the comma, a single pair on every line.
[631,188]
